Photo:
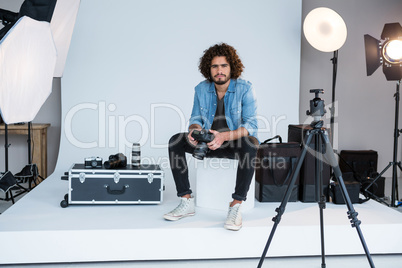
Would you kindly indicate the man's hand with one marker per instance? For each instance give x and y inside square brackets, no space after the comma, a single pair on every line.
[190,138]
[219,139]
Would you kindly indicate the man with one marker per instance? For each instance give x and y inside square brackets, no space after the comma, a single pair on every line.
[226,106]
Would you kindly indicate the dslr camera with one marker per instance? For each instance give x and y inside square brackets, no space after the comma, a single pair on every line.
[203,137]
[93,162]
[116,161]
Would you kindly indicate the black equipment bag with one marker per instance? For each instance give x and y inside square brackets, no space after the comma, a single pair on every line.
[353,189]
[7,181]
[274,168]
[307,189]
[363,165]
[377,187]
[362,162]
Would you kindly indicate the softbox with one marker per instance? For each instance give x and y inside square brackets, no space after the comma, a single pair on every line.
[27,61]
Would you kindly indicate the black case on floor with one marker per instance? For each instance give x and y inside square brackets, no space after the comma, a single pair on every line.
[363,165]
[377,188]
[362,162]
[125,185]
[353,188]
[275,165]
[307,189]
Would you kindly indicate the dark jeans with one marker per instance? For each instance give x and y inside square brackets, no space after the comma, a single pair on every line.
[243,149]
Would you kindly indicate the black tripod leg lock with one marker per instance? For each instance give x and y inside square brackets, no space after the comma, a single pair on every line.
[353,218]
[278,217]
[322,203]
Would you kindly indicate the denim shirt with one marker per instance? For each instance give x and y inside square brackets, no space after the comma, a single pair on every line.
[240,106]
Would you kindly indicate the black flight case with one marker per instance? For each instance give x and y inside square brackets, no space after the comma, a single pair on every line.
[125,185]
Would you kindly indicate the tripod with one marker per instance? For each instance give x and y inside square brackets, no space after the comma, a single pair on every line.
[322,149]
[394,163]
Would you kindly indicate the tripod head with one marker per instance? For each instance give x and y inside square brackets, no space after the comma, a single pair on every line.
[317,107]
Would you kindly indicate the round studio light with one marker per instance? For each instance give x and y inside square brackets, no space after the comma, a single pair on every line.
[325,29]
[392,51]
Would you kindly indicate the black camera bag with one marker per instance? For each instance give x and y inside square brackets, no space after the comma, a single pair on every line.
[274,168]
[362,164]
[353,189]
[7,181]
[307,189]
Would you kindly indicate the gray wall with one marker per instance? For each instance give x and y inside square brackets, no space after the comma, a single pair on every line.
[365,113]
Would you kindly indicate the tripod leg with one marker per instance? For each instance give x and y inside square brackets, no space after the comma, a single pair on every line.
[396,186]
[399,165]
[11,196]
[320,193]
[281,209]
[394,198]
[330,157]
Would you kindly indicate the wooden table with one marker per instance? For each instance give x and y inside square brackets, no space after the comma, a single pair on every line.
[38,143]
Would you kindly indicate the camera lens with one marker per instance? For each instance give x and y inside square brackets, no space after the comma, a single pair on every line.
[200,150]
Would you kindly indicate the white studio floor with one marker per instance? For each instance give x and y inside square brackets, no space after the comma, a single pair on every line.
[36,230]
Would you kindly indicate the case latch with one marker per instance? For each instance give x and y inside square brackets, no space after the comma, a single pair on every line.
[150,177]
[116,177]
[82,177]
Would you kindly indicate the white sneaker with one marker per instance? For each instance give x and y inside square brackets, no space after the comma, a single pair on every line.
[233,220]
[184,209]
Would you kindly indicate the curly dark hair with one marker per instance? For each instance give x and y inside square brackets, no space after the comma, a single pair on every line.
[222,49]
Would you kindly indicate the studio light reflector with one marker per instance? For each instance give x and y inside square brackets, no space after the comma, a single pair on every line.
[27,61]
[393,51]
[325,29]
[373,54]
[62,25]
[387,53]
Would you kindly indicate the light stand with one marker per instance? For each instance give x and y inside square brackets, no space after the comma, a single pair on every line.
[6,146]
[394,163]
[33,169]
[326,31]
[9,182]
[389,55]
[332,109]
[30,172]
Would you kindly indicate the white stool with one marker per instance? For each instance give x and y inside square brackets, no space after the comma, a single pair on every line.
[215,183]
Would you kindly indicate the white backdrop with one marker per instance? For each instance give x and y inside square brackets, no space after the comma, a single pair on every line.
[133,65]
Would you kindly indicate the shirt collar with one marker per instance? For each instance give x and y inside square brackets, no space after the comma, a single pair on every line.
[231,88]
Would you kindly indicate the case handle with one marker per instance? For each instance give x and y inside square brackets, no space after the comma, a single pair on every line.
[273,138]
[116,192]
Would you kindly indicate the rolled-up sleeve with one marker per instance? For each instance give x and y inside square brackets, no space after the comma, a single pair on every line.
[196,117]
[249,112]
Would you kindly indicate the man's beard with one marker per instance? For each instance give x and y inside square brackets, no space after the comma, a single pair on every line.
[221,82]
